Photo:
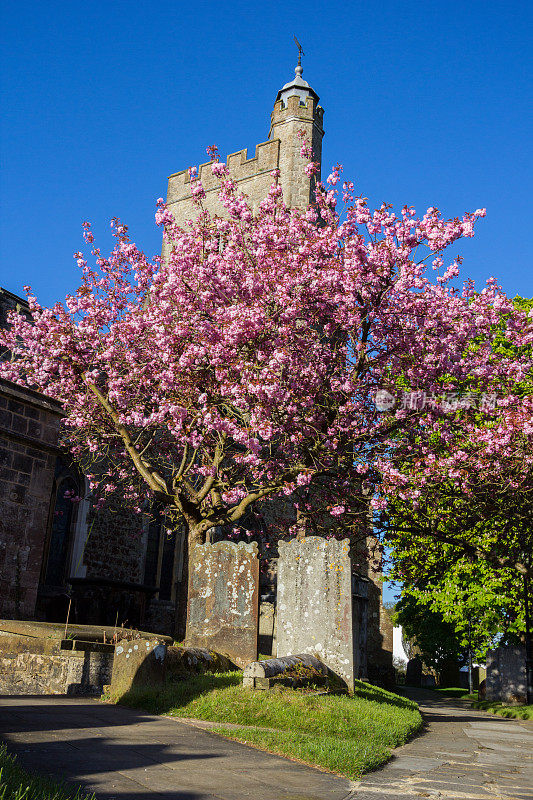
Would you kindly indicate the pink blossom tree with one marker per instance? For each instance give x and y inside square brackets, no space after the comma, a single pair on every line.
[246,365]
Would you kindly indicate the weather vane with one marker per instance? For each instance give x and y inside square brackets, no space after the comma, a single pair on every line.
[300,51]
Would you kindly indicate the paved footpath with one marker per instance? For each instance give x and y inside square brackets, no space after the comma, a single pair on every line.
[124,754]
[463,755]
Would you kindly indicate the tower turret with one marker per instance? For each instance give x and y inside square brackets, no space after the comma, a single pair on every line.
[296,109]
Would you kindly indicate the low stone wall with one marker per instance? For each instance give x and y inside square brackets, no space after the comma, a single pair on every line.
[41,666]
[35,658]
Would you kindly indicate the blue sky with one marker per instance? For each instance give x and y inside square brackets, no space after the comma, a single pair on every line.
[425,104]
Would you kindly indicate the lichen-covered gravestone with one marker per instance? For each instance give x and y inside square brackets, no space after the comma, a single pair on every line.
[141,662]
[316,604]
[223,604]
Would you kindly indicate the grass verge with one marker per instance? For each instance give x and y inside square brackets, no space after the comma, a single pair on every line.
[342,756]
[515,712]
[455,691]
[17,784]
[345,734]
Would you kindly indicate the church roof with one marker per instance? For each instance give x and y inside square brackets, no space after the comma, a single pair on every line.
[299,87]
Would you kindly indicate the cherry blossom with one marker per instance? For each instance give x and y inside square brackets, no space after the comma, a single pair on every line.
[244,365]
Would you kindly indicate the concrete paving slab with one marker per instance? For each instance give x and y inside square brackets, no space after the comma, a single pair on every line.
[503,735]
[414,763]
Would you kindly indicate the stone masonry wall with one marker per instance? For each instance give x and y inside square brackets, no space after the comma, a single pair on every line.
[115,546]
[286,123]
[11,302]
[253,175]
[29,424]
[380,628]
[30,665]
[380,633]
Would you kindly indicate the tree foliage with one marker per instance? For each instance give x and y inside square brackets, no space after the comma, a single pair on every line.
[434,638]
[463,551]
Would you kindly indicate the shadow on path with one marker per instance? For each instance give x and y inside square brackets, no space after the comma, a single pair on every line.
[125,754]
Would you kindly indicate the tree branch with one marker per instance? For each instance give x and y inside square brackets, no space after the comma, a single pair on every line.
[152,478]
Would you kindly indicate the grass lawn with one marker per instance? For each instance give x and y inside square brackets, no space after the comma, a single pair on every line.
[345,734]
[17,784]
[516,712]
[455,691]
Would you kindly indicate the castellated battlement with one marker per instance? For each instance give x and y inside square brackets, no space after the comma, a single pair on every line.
[308,111]
[296,110]
[241,168]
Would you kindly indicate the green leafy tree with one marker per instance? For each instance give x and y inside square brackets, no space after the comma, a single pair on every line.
[468,555]
[483,605]
[434,638]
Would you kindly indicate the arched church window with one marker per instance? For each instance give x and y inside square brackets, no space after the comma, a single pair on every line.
[163,560]
[151,561]
[61,527]
[60,536]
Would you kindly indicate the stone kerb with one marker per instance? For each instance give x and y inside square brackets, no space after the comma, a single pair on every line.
[223,606]
[315,603]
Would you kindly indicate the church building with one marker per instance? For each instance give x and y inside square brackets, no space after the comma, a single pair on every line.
[107,566]
[296,110]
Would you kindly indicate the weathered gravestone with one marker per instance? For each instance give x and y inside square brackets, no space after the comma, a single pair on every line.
[321,606]
[149,662]
[223,604]
[138,662]
[506,674]
[413,673]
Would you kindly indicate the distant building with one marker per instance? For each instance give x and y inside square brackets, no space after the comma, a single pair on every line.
[398,650]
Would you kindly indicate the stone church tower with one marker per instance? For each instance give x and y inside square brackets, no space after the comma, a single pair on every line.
[296,109]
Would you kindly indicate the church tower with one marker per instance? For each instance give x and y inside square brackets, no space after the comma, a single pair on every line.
[296,109]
